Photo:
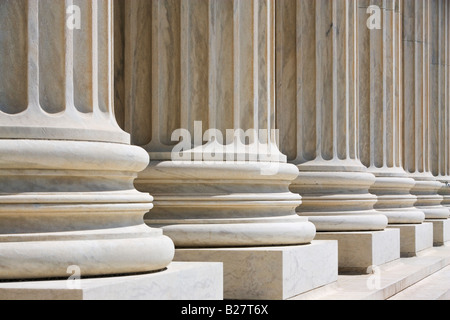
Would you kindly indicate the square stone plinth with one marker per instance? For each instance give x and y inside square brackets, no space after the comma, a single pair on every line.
[271,273]
[359,251]
[441,231]
[414,238]
[181,281]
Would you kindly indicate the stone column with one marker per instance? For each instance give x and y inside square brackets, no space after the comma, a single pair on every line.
[317,110]
[67,169]
[417,18]
[192,66]
[439,109]
[380,122]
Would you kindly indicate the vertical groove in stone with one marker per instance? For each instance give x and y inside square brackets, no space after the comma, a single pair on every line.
[138,72]
[379,89]
[324,79]
[166,66]
[51,56]
[221,58]
[446,90]
[434,83]
[104,56]
[398,34]
[244,68]
[32,50]
[83,59]
[415,95]
[195,57]
[119,62]
[13,63]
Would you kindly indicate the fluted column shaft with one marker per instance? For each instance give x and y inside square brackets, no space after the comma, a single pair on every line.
[439,96]
[191,66]
[380,112]
[417,18]
[66,192]
[317,113]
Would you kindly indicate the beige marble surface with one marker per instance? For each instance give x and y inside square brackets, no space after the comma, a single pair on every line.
[414,238]
[360,251]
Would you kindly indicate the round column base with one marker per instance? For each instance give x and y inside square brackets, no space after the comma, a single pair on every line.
[73,203]
[338,201]
[392,189]
[429,200]
[222,204]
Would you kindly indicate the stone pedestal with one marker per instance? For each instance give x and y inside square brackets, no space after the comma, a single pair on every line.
[360,251]
[414,237]
[180,281]
[271,273]
[441,231]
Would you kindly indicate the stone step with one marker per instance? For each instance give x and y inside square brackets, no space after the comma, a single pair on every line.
[426,269]
[435,287]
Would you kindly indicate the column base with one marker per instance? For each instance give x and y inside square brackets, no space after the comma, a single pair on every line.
[414,238]
[180,281]
[271,273]
[359,251]
[441,231]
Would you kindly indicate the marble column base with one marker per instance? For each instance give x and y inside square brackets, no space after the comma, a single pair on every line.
[441,231]
[180,281]
[414,238]
[271,273]
[358,251]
